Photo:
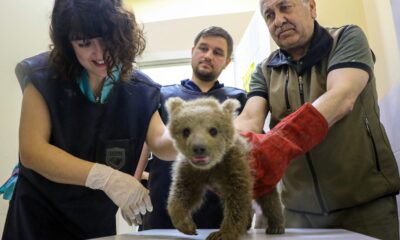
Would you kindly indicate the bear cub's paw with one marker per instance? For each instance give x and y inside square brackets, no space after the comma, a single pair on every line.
[220,235]
[185,225]
[277,229]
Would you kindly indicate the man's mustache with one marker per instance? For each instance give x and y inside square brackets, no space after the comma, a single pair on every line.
[208,62]
[284,27]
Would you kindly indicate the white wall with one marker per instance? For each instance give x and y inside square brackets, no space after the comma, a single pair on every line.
[173,39]
[24,32]
[166,75]
[252,49]
[383,41]
[396,16]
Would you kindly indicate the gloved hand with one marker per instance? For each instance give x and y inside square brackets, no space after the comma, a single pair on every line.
[137,220]
[272,152]
[124,190]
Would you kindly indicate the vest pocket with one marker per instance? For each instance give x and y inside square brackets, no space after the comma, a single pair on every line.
[118,154]
[287,94]
[377,164]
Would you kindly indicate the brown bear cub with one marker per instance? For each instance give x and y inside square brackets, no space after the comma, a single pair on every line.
[212,154]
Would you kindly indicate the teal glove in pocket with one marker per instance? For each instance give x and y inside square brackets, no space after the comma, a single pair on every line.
[7,188]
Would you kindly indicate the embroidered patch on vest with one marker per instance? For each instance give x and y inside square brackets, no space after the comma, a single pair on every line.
[115,157]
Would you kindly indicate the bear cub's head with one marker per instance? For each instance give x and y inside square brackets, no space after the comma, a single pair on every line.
[202,129]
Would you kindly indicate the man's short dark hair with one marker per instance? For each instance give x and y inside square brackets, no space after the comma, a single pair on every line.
[214,31]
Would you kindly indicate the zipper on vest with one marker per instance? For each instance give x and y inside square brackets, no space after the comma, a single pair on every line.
[316,184]
[308,157]
[286,90]
[301,90]
[378,166]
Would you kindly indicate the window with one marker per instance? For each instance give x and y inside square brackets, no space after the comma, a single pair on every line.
[171,74]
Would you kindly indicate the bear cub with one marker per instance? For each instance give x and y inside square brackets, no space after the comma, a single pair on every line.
[212,154]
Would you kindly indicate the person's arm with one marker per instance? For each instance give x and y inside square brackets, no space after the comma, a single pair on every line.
[349,68]
[57,165]
[144,156]
[159,140]
[37,153]
[299,132]
[302,130]
[252,118]
[344,85]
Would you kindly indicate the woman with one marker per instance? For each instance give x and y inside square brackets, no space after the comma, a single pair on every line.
[85,116]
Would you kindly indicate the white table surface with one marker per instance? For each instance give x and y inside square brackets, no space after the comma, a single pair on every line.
[291,233]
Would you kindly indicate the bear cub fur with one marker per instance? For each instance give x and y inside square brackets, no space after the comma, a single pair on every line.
[212,154]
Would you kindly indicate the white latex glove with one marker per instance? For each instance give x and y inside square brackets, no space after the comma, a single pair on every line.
[124,190]
[137,220]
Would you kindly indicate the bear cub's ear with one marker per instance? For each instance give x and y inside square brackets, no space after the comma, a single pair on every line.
[173,103]
[230,106]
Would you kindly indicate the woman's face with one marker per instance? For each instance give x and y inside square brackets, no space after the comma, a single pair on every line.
[90,54]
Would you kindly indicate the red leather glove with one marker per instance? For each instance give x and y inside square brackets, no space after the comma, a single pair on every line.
[295,135]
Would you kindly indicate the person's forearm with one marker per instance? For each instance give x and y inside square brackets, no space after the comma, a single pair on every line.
[55,164]
[333,107]
[245,123]
[142,162]
[164,147]
[158,139]
[344,85]
[252,118]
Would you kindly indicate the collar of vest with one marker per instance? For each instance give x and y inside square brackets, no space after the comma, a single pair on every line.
[320,46]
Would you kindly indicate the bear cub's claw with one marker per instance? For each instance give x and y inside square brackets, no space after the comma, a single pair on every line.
[278,229]
[186,226]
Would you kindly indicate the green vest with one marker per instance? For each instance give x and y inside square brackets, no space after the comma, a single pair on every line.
[354,164]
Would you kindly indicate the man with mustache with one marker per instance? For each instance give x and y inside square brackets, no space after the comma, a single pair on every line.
[211,53]
[319,88]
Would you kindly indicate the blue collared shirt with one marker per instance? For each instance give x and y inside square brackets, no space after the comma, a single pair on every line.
[83,82]
[189,84]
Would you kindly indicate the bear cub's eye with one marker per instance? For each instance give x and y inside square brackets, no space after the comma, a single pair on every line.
[186,132]
[213,131]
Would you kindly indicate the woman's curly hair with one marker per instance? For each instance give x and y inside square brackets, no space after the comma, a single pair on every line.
[86,19]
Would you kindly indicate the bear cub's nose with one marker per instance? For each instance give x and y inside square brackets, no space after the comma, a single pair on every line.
[199,149]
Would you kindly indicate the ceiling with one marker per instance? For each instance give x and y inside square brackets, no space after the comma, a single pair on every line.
[160,10]
[171,25]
